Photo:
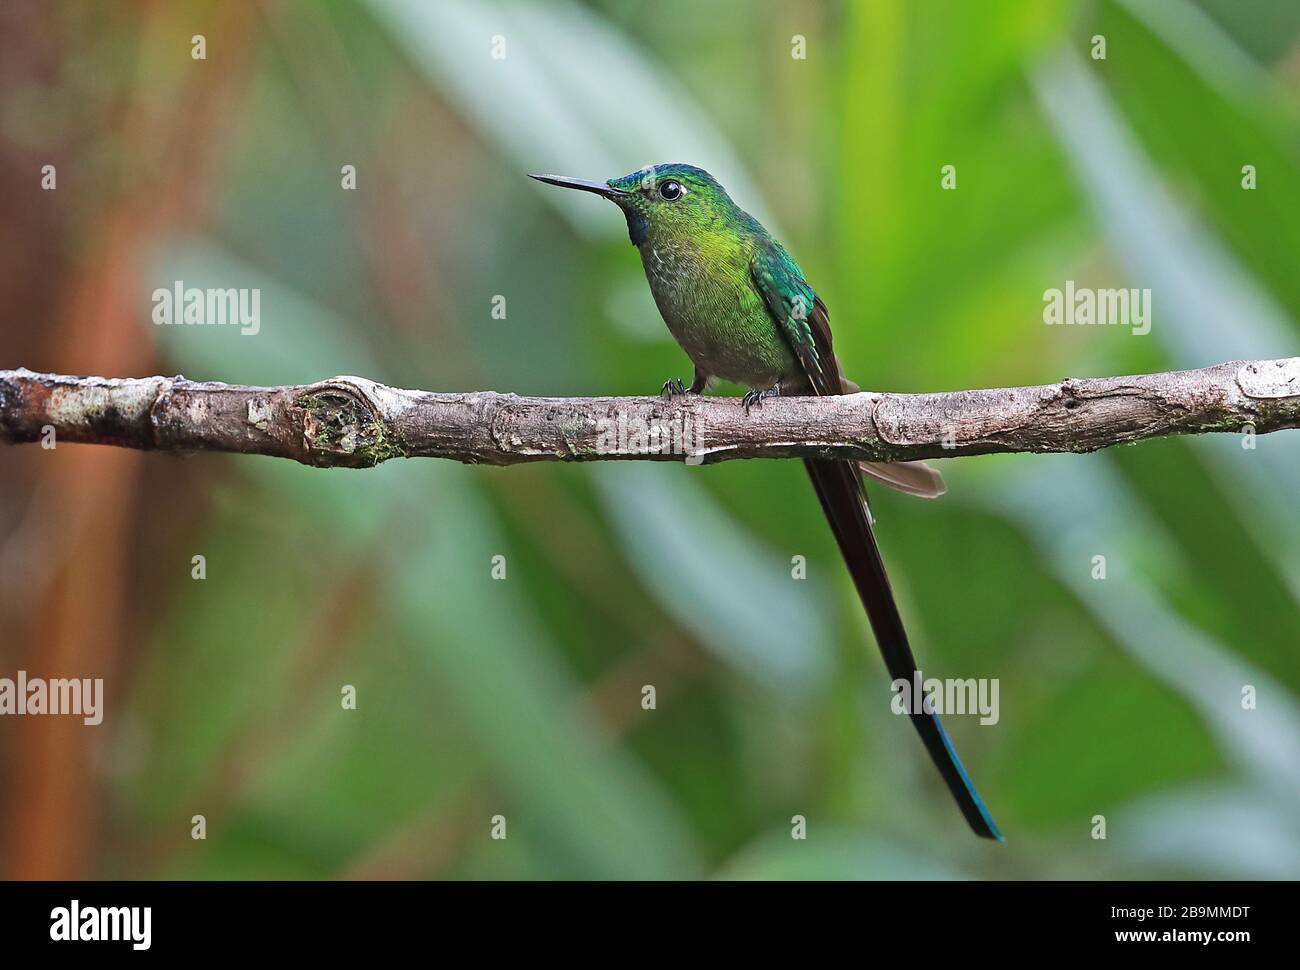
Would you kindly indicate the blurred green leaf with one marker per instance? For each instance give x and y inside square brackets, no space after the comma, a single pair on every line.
[836,854]
[738,597]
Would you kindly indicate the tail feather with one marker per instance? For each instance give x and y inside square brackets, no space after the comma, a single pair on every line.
[839,488]
[911,477]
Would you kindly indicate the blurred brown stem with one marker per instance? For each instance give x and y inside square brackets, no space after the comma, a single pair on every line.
[356,423]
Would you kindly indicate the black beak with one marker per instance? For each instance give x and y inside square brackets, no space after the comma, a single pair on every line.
[599,188]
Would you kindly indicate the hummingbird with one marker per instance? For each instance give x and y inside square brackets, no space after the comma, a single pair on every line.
[743,311]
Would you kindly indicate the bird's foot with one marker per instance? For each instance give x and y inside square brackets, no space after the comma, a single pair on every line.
[673,388]
[753,397]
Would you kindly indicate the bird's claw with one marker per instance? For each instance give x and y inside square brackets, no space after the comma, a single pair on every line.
[753,397]
[672,388]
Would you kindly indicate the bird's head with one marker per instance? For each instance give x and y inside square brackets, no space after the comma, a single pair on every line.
[661,200]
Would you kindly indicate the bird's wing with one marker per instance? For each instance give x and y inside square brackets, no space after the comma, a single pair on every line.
[800,314]
[805,323]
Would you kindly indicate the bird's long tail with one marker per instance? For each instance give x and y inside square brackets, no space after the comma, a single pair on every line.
[839,487]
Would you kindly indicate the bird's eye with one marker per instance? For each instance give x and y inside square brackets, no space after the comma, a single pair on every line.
[671,191]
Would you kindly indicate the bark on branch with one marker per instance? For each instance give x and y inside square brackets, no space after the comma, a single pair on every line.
[356,423]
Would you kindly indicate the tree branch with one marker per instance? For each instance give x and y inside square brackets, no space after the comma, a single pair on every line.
[356,423]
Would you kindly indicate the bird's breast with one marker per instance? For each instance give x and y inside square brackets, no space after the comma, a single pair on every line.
[707,298]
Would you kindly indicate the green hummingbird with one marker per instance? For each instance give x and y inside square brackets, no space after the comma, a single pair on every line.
[744,312]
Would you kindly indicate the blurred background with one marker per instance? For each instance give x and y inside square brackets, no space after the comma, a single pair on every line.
[522,697]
